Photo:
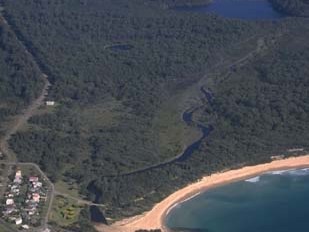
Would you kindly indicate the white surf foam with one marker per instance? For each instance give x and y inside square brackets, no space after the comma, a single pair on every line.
[254,179]
[178,204]
[278,172]
[193,196]
[299,172]
[295,172]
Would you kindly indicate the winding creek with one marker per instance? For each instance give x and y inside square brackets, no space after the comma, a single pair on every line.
[239,9]
[97,215]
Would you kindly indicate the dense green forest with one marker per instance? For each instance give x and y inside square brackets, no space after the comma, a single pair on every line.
[292,7]
[109,97]
[262,108]
[20,80]
[122,72]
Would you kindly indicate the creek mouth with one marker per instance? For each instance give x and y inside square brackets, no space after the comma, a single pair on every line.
[187,117]
[96,215]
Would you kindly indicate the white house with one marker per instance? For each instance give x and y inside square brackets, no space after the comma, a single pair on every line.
[33,179]
[17,180]
[18,221]
[50,103]
[37,184]
[9,201]
[18,174]
[26,227]
[36,197]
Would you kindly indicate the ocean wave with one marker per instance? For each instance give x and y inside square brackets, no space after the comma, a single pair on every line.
[278,172]
[254,179]
[193,196]
[176,205]
[179,204]
[299,172]
[294,172]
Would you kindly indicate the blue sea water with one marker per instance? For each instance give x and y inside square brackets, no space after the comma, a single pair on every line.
[241,9]
[273,202]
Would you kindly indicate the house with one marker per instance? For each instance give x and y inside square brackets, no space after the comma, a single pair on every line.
[18,174]
[36,197]
[46,230]
[12,219]
[15,189]
[17,180]
[9,202]
[31,212]
[18,177]
[9,210]
[50,103]
[18,221]
[25,227]
[37,184]
[33,179]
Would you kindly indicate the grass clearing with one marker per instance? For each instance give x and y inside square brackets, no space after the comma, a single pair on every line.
[102,114]
[70,188]
[65,211]
[173,132]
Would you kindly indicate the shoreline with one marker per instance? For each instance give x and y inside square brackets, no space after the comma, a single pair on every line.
[156,217]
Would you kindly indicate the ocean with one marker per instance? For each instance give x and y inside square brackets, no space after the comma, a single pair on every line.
[273,202]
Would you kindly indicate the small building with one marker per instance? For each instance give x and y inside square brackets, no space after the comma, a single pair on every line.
[18,221]
[32,212]
[8,210]
[46,230]
[50,103]
[9,201]
[37,184]
[17,180]
[25,227]
[33,179]
[18,174]
[36,197]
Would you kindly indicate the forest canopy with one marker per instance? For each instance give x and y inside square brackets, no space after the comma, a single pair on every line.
[122,74]
[292,7]
[20,80]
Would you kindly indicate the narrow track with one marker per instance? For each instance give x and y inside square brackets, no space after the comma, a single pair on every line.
[20,120]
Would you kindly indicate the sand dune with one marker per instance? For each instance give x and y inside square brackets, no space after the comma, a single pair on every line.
[154,219]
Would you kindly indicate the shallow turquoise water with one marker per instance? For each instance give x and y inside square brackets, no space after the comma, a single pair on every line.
[277,202]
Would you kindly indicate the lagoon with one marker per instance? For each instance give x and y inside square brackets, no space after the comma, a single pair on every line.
[238,9]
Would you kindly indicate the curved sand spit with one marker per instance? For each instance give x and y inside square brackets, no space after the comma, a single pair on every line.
[154,219]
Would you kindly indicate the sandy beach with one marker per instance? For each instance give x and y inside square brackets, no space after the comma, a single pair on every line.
[154,219]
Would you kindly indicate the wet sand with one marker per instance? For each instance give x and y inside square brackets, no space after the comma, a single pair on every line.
[155,218]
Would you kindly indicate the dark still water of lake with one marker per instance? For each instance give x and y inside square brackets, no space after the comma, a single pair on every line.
[238,9]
